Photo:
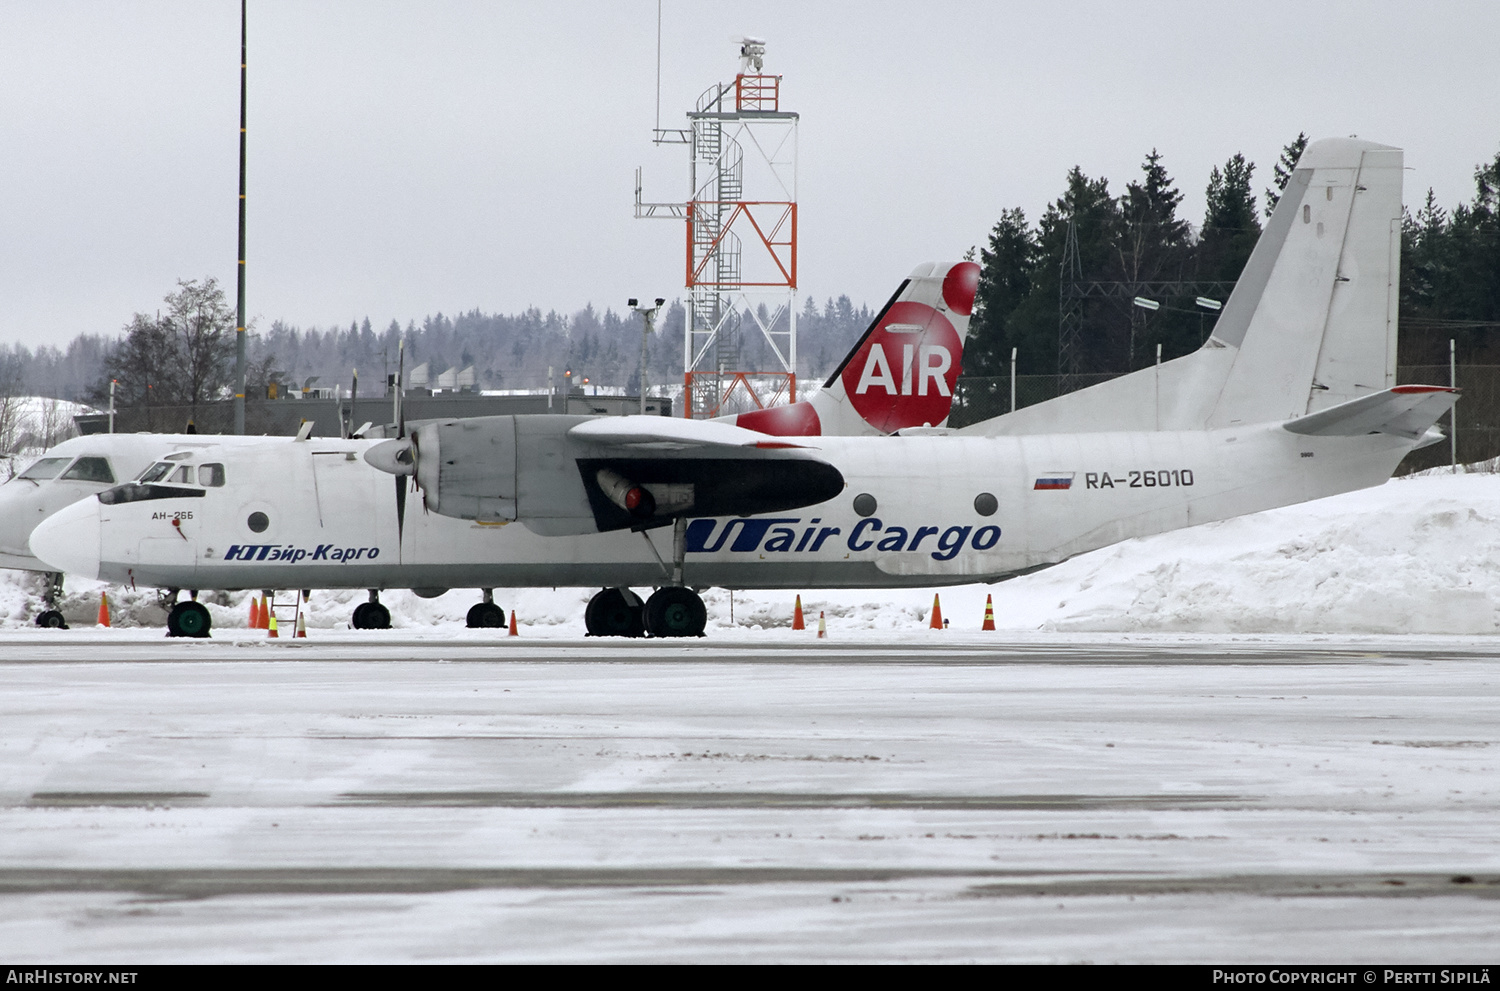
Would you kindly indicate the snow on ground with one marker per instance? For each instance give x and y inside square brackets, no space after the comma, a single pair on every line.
[1416,555]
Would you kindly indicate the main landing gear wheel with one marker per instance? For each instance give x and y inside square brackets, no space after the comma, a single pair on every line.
[371,616]
[615,612]
[675,611]
[188,619]
[486,615]
[51,619]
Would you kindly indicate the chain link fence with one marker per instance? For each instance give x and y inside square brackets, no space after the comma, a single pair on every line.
[1478,411]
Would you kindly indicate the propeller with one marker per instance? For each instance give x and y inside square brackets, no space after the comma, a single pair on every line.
[401,435]
[347,430]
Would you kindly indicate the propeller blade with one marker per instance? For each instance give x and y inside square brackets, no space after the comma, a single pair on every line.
[400,388]
[353,395]
[400,508]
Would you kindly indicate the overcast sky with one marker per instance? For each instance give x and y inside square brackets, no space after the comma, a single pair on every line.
[412,157]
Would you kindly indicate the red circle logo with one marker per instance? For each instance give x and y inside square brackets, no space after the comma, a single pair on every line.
[959,287]
[903,374]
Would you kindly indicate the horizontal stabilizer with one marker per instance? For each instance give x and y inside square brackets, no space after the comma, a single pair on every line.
[664,433]
[1405,411]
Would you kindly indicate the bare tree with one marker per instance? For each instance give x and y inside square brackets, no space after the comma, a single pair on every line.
[180,357]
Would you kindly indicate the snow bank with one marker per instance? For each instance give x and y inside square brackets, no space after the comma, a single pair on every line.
[1416,555]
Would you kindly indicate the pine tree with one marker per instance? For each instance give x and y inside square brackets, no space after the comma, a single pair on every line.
[1230,224]
[1290,154]
[1005,272]
[1153,246]
[1033,325]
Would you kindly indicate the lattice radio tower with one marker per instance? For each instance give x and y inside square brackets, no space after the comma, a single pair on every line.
[741,249]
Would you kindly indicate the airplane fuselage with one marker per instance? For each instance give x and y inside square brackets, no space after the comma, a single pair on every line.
[919,510]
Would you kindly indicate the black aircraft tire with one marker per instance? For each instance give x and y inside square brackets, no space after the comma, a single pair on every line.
[610,614]
[51,619]
[485,616]
[377,616]
[675,611]
[371,616]
[189,619]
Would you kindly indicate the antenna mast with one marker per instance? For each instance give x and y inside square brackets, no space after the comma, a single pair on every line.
[741,272]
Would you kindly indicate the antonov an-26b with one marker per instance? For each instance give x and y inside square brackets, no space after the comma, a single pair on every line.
[1293,397]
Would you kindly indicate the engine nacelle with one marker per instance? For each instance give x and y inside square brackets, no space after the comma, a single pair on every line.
[527,468]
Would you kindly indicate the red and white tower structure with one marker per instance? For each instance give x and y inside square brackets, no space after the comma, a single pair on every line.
[741,231]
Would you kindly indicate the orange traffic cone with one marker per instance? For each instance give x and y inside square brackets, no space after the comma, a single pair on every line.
[271,633]
[103,609]
[989,613]
[514,631]
[937,614]
[301,625]
[797,623]
[822,627]
[254,613]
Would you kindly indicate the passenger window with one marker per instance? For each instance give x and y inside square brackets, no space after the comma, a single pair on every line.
[211,475]
[183,475]
[90,470]
[44,469]
[156,472]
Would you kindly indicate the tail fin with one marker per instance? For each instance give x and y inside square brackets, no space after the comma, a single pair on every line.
[902,371]
[1316,323]
[1311,322]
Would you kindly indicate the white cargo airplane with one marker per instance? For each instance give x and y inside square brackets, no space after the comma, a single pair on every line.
[1292,398]
[900,373]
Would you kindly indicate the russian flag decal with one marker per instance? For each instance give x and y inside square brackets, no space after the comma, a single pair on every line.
[1055,480]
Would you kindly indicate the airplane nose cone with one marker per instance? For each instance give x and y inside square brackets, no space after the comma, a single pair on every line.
[68,540]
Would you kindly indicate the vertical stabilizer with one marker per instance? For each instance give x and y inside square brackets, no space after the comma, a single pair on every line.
[900,374]
[1313,316]
[1311,323]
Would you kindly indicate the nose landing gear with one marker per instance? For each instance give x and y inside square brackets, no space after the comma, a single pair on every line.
[188,619]
[50,617]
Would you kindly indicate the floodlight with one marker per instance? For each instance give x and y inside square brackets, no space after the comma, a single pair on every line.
[1146,304]
[1209,304]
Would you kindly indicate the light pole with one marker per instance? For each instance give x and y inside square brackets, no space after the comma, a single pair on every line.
[648,316]
[1204,303]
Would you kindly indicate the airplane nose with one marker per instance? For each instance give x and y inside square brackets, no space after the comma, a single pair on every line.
[68,540]
[18,517]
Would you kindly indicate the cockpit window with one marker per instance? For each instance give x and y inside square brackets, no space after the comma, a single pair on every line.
[90,470]
[183,475]
[211,475]
[156,472]
[44,469]
[138,492]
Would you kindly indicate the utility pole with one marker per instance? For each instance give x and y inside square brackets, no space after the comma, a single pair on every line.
[1013,380]
[239,331]
[1453,410]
